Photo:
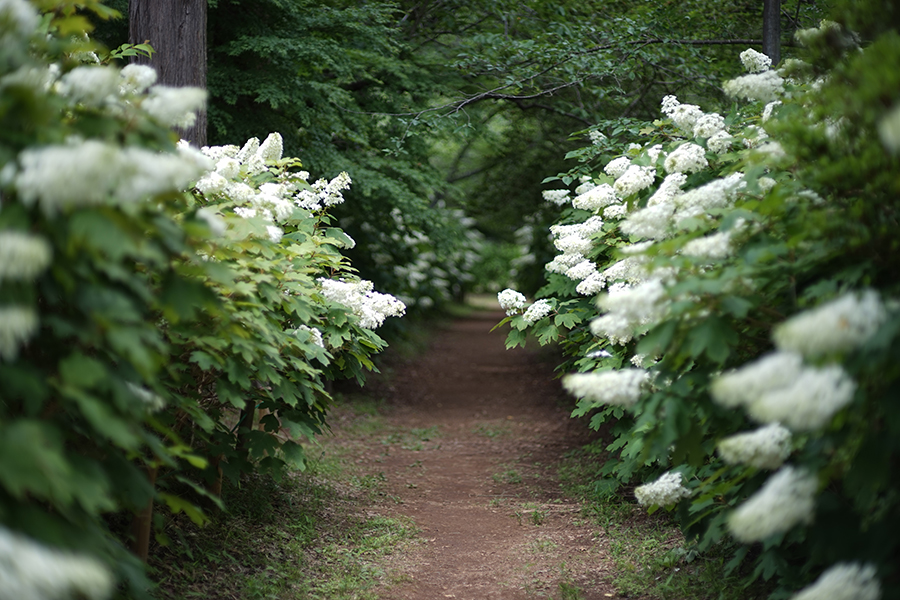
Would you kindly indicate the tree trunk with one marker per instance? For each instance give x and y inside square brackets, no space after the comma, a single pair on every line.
[771,30]
[142,524]
[177,31]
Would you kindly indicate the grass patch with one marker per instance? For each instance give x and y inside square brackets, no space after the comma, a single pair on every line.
[298,539]
[650,556]
[492,431]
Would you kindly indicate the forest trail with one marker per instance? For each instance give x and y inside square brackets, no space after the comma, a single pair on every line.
[478,432]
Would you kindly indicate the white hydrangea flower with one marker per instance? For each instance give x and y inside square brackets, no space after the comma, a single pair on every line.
[17,325]
[748,383]
[633,180]
[668,189]
[718,193]
[596,136]
[807,403]
[152,402]
[765,448]
[716,246]
[843,581]
[271,148]
[686,158]
[136,79]
[596,198]
[755,62]
[631,269]
[629,309]
[21,17]
[213,220]
[32,571]
[616,388]
[537,311]
[709,125]
[765,86]
[840,325]
[720,142]
[324,193]
[592,284]
[89,85]
[616,211]
[228,167]
[511,301]
[573,244]
[174,106]
[310,334]
[889,129]
[653,152]
[785,500]
[769,109]
[23,255]
[370,306]
[585,185]
[765,184]
[582,270]
[613,327]
[617,166]
[212,183]
[563,262]
[558,197]
[248,150]
[652,222]
[274,233]
[666,490]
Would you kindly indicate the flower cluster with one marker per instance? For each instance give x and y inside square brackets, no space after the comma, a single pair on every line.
[31,571]
[664,491]
[844,581]
[511,301]
[766,448]
[616,388]
[22,255]
[785,500]
[538,311]
[370,306]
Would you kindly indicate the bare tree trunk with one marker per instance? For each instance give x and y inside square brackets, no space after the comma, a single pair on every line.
[177,31]
[771,30]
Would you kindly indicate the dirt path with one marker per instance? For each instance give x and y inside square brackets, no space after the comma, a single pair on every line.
[480,430]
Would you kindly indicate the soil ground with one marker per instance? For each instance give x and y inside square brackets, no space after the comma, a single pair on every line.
[481,430]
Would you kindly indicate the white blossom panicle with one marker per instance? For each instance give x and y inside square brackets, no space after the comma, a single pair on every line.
[244,212]
[720,142]
[174,106]
[765,86]
[310,334]
[709,125]
[765,448]
[653,222]
[765,184]
[653,152]
[889,130]
[718,193]
[211,184]
[769,109]
[324,193]
[90,86]
[18,18]
[591,285]
[714,247]
[596,136]
[632,147]
[807,403]
[582,270]
[151,401]
[22,255]
[748,383]
[668,189]
[32,571]
[633,180]
[585,185]
[615,388]
[631,269]
[511,301]
[558,197]
[228,167]
[686,158]
[537,311]
[684,116]
[596,198]
[370,306]
[843,581]
[615,211]
[617,166]
[563,262]
[755,62]
[613,327]
[17,325]
[664,491]
[785,500]
[271,148]
[249,149]
[92,172]
[629,310]
[838,326]
[136,79]
[274,233]
[213,220]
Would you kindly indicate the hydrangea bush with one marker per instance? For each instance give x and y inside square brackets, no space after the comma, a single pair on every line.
[168,314]
[726,296]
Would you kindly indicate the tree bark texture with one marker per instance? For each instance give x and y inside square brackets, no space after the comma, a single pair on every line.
[771,30]
[177,31]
